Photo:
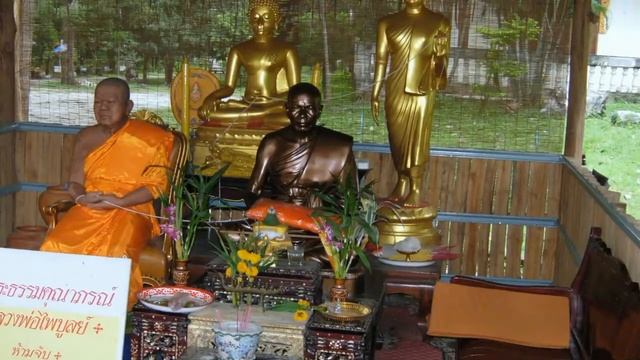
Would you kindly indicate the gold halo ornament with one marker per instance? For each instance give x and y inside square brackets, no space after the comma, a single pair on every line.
[201,84]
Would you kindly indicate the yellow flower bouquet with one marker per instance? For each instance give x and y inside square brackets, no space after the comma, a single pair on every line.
[245,257]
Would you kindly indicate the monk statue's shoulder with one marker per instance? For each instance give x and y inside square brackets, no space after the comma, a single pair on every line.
[335,137]
[149,132]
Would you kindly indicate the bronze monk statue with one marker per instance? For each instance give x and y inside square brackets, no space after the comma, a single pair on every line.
[263,57]
[416,40]
[302,156]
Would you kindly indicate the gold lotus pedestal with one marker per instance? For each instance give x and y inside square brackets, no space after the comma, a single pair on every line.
[403,222]
[214,146]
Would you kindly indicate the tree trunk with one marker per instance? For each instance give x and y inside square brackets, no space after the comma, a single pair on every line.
[7,65]
[326,83]
[145,68]
[68,75]
[169,61]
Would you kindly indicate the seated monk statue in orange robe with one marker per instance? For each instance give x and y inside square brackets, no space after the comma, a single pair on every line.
[118,167]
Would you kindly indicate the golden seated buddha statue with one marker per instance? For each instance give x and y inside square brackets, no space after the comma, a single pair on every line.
[271,65]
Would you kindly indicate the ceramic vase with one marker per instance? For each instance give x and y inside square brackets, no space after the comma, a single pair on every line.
[234,342]
[338,292]
[180,273]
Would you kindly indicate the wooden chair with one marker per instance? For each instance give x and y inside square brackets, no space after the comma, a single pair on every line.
[604,314]
[156,258]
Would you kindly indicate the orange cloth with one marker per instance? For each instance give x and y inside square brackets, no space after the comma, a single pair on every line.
[293,215]
[119,166]
[508,316]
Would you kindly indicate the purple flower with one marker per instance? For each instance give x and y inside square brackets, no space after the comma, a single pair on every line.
[171,231]
[171,211]
[328,231]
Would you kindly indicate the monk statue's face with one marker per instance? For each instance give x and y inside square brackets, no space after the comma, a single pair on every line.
[263,21]
[303,111]
[110,105]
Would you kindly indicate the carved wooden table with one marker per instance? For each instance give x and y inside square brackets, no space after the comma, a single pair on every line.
[328,339]
[415,281]
[158,335]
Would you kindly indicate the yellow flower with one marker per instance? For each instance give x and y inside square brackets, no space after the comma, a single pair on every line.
[244,254]
[303,304]
[242,267]
[252,271]
[254,258]
[228,272]
[300,315]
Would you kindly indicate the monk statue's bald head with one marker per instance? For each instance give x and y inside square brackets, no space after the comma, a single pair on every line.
[304,88]
[120,84]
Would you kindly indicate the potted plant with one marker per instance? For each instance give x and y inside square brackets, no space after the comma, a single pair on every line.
[346,220]
[246,258]
[185,213]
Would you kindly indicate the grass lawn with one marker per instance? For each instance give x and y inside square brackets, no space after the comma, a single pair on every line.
[615,152]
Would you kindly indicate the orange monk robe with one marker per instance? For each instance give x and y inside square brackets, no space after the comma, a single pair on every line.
[136,155]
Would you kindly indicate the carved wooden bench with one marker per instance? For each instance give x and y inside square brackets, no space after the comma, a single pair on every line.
[604,314]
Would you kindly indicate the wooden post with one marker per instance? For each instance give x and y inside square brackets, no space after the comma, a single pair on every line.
[578,71]
[7,63]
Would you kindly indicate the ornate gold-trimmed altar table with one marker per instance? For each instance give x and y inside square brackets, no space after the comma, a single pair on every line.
[281,335]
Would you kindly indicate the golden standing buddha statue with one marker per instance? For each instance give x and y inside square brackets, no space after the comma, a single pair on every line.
[264,58]
[416,40]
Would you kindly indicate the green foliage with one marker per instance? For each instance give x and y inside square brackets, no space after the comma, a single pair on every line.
[347,218]
[190,206]
[512,36]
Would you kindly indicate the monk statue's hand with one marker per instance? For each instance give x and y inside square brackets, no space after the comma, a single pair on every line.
[105,202]
[375,110]
[90,197]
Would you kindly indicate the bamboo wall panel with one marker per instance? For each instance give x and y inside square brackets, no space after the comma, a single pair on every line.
[504,184]
[7,161]
[43,157]
[7,214]
[27,203]
[579,211]
[489,186]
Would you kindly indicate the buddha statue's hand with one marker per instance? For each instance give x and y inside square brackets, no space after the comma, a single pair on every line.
[441,43]
[209,106]
[375,110]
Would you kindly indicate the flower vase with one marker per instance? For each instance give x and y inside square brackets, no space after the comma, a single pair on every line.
[338,292]
[235,340]
[180,273]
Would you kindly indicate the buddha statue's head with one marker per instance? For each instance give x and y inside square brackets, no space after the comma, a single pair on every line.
[264,16]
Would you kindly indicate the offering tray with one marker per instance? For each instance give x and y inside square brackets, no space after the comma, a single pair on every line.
[346,311]
[158,299]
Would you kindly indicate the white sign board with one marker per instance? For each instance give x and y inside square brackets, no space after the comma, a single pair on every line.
[61,306]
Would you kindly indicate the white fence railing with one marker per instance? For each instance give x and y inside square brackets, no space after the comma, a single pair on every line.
[614,74]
